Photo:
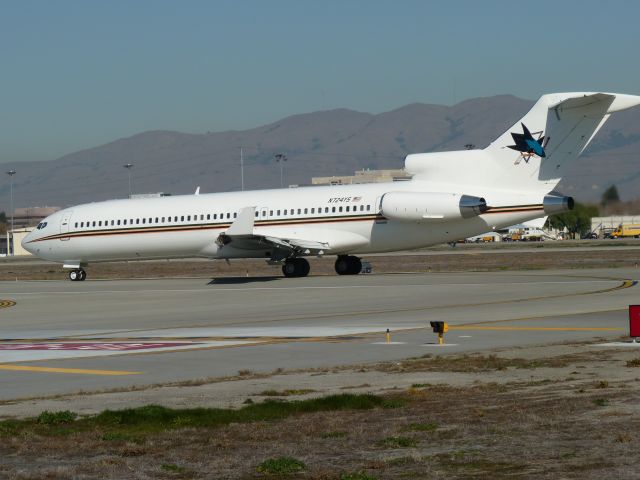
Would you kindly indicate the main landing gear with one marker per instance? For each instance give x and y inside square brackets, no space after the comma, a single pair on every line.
[77,275]
[348,265]
[295,267]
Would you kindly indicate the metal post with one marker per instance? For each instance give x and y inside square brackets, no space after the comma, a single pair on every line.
[128,167]
[11,173]
[281,158]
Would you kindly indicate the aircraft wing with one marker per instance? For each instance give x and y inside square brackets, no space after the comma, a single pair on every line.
[241,235]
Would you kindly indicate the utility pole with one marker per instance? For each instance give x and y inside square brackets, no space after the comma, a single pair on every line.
[128,166]
[11,173]
[281,158]
[241,170]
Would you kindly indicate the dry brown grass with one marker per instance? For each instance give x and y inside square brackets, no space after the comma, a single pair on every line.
[486,431]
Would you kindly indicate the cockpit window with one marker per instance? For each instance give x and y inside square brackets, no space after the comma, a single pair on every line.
[41,225]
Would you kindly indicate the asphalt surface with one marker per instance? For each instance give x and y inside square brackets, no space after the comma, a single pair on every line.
[62,337]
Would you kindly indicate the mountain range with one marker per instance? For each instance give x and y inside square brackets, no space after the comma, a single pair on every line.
[323,143]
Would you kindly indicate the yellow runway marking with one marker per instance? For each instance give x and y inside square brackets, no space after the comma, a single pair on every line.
[81,371]
[7,303]
[543,329]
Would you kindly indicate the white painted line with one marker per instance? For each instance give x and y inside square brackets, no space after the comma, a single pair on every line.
[389,343]
[464,336]
[439,346]
[619,344]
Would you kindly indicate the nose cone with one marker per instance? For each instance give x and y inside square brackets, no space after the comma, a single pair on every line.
[26,242]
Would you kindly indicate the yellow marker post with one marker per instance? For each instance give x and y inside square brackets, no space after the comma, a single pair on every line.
[440,328]
[388,336]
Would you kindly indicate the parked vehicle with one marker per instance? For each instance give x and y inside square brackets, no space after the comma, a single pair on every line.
[626,231]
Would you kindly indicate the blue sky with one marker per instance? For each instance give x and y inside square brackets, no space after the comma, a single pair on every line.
[77,74]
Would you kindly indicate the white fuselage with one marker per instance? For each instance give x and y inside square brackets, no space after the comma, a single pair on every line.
[346,218]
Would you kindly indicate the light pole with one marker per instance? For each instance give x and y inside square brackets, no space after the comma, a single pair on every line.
[128,167]
[11,173]
[281,158]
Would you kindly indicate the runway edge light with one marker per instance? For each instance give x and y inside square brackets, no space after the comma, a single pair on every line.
[634,321]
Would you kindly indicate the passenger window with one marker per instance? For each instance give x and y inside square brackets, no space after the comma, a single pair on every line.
[361,208]
[271,213]
[326,209]
[188,218]
[201,217]
[264,213]
[100,223]
[333,209]
[144,220]
[305,210]
[292,211]
[81,224]
[182,218]
[347,208]
[257,214]
[340,209]
[278,213]
[137,221]
[215,216]
[368,207]
[118,222]
[76,225]
[235,214]
[284,212]
[94,223]
[208,216]
[299,211]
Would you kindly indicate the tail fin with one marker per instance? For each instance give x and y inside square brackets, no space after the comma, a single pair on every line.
[553,133]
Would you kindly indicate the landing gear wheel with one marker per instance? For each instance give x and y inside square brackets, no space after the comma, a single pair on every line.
[296,267]
[348,265]
[77,275]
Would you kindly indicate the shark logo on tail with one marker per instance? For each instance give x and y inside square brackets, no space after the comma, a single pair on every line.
[527,145]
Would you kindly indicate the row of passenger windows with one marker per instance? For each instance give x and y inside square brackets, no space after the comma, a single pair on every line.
[262,213]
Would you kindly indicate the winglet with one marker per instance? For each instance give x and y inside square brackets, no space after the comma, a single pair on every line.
[197,191]
[243,224]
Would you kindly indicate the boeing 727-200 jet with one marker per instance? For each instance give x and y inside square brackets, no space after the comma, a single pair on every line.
[451,195]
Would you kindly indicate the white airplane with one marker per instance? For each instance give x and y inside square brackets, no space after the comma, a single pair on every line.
[452,195]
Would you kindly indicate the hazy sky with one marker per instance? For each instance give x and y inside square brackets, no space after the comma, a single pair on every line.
[76,74]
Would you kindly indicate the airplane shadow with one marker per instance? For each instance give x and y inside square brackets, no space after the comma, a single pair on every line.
[241,280]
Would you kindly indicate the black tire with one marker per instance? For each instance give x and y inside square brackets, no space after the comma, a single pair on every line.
[74,275]
[296,267]
[348,265]
[83,275]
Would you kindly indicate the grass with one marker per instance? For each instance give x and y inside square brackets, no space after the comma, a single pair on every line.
[286,393]
[281,466]
[470,363]
[357,476]
[398,442]
[420,427]
[120,424]
[634,362]
[335,434]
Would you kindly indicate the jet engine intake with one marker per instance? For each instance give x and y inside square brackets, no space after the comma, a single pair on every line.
[557,204]
[430,206]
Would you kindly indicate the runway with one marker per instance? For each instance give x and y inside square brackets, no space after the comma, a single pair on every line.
[60,337]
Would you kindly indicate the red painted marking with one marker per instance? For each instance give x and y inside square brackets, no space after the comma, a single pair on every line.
[117,346]
[634,320]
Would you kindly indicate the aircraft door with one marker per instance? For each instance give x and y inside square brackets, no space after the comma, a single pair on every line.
[65,221]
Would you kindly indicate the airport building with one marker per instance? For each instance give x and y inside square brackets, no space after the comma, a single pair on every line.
[24,220]
[364,176]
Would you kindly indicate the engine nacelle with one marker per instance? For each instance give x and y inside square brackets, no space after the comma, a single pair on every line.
[557,204]
[430,206]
